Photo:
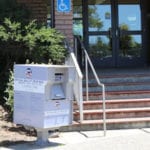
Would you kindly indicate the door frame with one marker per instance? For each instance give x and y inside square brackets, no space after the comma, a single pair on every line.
[116,61]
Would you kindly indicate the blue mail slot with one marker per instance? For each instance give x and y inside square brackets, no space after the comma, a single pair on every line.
[63,6]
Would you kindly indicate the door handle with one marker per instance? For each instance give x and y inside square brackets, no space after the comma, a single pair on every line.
[117,33]
[110,32]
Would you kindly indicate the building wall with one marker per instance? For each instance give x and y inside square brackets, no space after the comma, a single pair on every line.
[146,32]
[63,21]
[38,9]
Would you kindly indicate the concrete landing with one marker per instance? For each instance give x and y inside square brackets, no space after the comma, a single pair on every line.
[131,139]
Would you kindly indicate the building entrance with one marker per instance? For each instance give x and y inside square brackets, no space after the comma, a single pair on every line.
[112,32]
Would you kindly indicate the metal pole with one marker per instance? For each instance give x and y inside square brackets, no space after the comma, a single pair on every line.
[42,137]
[52,14]
[75,47]
[81,100]
[86,72]
[104,110]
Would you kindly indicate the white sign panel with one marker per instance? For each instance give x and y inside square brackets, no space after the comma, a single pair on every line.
[29,85]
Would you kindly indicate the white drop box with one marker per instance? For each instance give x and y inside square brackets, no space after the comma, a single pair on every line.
[43,95]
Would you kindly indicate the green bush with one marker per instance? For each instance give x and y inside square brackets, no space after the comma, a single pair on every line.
[21,39]
[43,44]
[39,44]
[8,53]
[36,43]
[9,98]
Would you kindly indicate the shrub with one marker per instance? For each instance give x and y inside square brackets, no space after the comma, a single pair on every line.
[36,43]
[43,44]
[9,98]
[39,44]
[21,39]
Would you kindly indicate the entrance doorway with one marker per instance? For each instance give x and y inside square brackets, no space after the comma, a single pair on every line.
[112,32]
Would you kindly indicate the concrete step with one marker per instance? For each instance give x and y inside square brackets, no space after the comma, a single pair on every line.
[120,72]
[120,84]
[120,80]
[121,113]
[114,113]
[128,94]
[120,123]
[121,88]
[127,100]
[111,104]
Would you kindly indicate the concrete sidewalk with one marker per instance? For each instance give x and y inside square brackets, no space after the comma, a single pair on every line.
[130,139]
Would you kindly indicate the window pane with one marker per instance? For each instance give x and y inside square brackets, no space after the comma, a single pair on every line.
[48,13]
[100,46]
[77,18]
[99,16]
[78,27]
[130,46]
[130,18]
[77,9]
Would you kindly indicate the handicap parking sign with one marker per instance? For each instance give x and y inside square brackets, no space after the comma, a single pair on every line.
[63,5]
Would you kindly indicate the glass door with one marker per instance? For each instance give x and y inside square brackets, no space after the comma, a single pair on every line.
[129,33]
[113,32]
[97,31]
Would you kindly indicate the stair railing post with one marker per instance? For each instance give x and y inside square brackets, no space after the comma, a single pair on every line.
[86,72]
[104,110]
[88,60]
[75,47]
[81,100]
[103,91]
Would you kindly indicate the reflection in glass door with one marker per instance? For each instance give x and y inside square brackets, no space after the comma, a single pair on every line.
[113,33]
[99,32]
[129,32]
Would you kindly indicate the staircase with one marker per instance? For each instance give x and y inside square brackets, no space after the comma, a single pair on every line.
[122,83]
[127,101]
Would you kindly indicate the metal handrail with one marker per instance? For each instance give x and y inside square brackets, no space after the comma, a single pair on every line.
[88,60]
[77,88]
[78,91]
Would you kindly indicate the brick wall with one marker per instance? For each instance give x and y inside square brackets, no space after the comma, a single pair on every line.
[63,21]
[38,9]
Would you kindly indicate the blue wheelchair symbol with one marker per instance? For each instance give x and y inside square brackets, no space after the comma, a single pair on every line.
[63,5]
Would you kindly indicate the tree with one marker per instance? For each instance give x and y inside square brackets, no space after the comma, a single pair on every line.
[94,20]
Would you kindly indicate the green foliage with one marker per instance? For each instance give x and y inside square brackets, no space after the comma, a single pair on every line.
[10,31]
[9,93]
[10,42]
[44,44]
[21,39]
[94,20]
[39,44]
[36,43]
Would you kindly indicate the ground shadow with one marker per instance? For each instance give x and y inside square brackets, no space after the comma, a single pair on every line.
[28,145]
